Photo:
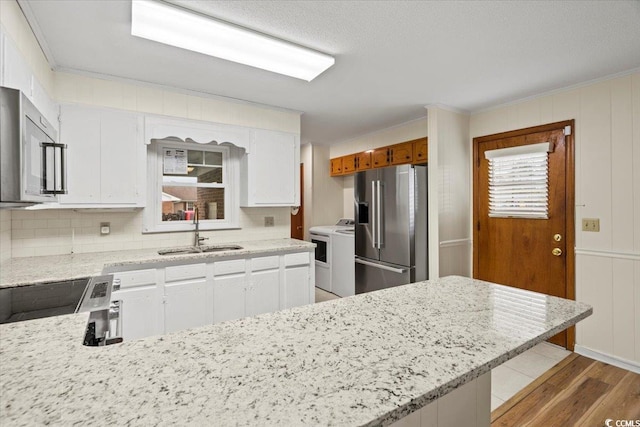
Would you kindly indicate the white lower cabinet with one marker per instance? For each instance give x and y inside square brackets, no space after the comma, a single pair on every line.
[263,292]
[185,297]
[297,270]
[141,303]
[294,294]
[238,293]
[139,312]
[185,305]
[174,298]
[229,297]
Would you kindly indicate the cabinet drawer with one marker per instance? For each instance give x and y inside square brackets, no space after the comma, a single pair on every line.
[131,279]
[183,272]
[296,259]
[221,268]
[265,263]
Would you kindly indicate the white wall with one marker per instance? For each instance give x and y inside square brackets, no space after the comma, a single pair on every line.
[408,131]
[59,231]
[449,193]
[607,145]
[327,191]
[5,234]
[81,89]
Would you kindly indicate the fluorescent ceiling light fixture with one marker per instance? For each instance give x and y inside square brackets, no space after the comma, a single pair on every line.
[179,27]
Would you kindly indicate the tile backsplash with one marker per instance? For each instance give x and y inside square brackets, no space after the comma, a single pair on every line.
[55,232]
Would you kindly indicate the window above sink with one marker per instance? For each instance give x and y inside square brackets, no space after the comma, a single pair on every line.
[183,176]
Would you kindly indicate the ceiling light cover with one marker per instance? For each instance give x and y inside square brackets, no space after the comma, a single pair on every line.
[181,28]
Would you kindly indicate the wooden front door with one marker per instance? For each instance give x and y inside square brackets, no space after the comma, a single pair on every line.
[533,254]
[297,218]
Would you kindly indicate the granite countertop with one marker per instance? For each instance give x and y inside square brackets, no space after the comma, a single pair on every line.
[54,268]
[369,359]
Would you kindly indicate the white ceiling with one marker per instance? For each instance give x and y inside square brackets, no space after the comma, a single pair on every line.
[392,57]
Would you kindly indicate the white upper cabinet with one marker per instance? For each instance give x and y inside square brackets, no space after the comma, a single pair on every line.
[271,170]
[106,157]
[16,73]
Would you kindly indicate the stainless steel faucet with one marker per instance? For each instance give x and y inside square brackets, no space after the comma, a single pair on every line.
[196,220]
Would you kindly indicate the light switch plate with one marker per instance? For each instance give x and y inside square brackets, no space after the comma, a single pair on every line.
[269,221]
[591,224]
[105,228]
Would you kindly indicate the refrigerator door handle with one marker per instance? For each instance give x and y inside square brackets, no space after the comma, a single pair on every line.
[374,243]
[379,214]
[381,266]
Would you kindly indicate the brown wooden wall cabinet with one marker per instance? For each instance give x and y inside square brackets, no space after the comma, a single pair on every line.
[363,161]
[380,157]
[349,164]
[414,151]
[420,151]
[336,166]
[401,153]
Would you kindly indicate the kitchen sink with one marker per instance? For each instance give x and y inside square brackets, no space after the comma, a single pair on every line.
[198,249]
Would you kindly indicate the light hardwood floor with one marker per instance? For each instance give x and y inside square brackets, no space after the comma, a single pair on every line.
[577,392]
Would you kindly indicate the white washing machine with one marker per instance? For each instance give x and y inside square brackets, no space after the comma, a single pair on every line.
[334,255]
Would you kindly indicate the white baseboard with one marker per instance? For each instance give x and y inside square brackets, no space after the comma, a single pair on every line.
[607,358]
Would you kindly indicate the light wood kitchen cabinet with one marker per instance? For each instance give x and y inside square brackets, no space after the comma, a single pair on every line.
[363,161]
[271,170]
[380,157]
[349,164]
[336,166]
[401,153]
[106,157]
[420,151]
[408,152]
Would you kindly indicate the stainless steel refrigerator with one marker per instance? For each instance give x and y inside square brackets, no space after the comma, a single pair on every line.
[391,227]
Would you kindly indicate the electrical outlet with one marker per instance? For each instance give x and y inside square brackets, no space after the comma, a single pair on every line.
[591,224]
[269,221]
[105,228]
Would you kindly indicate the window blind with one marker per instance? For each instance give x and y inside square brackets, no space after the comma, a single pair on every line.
[519,181]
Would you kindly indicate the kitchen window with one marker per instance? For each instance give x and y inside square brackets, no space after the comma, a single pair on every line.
[185,176]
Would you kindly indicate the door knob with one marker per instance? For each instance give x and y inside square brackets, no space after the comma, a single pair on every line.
[556,251]
[299,227]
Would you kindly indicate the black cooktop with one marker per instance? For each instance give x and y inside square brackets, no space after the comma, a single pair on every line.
[42,300]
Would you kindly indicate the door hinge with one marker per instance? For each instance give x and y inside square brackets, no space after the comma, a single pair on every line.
[567,130]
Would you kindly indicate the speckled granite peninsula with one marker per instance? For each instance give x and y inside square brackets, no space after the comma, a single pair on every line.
[364,360]
[32,270]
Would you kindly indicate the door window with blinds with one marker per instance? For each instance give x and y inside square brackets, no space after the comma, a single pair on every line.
[519,181]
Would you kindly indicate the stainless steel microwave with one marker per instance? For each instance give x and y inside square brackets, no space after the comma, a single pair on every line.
[32,163]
